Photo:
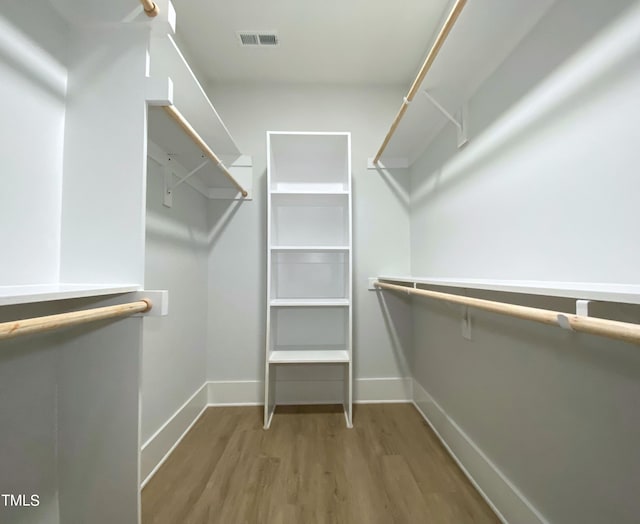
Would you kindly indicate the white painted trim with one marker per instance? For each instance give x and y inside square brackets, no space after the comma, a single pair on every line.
[160,445]
[509,504]
[366,390]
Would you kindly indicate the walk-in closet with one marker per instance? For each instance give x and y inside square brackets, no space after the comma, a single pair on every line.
[339,262]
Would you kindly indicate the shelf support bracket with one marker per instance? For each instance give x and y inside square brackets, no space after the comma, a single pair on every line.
[460,122]
[169,186]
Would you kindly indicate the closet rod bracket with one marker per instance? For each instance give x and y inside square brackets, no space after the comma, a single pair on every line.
[582,307]
[169,186]
[460,120]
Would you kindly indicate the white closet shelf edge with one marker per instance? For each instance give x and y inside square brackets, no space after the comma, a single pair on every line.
[27,294]
[308,356]
[604,292]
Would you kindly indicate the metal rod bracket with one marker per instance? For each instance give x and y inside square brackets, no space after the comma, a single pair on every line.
[459,120]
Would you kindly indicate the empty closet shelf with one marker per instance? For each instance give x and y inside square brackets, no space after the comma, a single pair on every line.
[310,248]
[315,302]
[308,356]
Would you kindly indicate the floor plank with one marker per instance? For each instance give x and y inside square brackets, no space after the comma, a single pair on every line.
[308,468]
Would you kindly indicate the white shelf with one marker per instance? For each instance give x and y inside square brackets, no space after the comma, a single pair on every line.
[166,61]
[310,248]
[309,302]
[621,293]
[308,357]
[308,191]
[477,46]
[12,295]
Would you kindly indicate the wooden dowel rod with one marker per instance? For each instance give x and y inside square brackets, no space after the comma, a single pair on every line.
[150,8]
[186,126]
[594,326]
[392,130]
[31,326]
[428,62]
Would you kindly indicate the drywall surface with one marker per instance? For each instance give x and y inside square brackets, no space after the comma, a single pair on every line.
[32,104]
[237,261]
[174,347]
[546,189]
[104,157]
[28,422]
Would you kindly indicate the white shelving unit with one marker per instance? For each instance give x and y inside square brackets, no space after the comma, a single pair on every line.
[309,259]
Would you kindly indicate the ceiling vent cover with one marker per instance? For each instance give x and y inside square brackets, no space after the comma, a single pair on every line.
[268,39]
[257,38]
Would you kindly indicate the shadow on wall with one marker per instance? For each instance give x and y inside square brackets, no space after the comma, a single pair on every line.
[219,217]
[583,77]
[396,312]
[397,181]
[601,352]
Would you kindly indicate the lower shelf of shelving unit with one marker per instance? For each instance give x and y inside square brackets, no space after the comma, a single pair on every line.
[315,302]
[323,356]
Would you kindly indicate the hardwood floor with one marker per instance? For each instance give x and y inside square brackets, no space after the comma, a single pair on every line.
[308,468]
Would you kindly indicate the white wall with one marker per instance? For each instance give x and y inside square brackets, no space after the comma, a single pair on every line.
[546,189]
[32,104]
[174,349]
[237,262]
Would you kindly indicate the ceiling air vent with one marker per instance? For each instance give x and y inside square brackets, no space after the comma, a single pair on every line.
[268,39]
[258,38]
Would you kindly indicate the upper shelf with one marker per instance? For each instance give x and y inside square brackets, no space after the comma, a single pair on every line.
[189,98]
[11,295]
[486,32]
[619,293]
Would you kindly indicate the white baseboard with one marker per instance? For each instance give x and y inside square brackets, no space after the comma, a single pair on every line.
[251,392]
[160,445]
[505,499]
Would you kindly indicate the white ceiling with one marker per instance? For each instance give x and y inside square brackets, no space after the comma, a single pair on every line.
[352,42]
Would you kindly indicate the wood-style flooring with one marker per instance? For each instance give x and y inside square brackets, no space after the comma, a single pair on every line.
[308,468]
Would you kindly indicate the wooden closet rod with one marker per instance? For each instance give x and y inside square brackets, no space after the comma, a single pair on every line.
[150,8]
[595,326]
[433,52]
[186,126]
[31,326]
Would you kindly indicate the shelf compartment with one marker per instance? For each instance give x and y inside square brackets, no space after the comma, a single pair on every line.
[310,219]
[296,159]
[317,356]
[309,328]
[308,275]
